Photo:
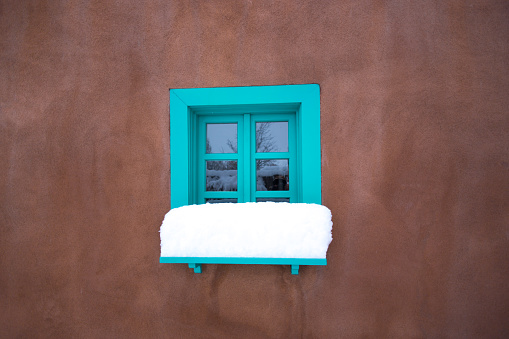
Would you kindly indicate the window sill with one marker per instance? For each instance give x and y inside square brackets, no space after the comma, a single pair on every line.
[196,262]
[265,233]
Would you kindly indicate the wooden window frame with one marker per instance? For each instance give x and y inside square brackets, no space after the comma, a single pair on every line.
[186,105]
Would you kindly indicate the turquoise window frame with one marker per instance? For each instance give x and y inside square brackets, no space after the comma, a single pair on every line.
[245,105]
[187,104]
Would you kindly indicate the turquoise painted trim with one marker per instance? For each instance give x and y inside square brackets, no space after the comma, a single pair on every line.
[251,95]
[310,146]
[247,158]
[273,194]
[240,260]
[257,108]
[179,151]
[273,155]
[220,156]
[197,267]
[196,262]
[302,99]
[220,194]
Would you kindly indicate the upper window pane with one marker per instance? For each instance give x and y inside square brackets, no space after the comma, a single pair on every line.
[221,138]
[272,136]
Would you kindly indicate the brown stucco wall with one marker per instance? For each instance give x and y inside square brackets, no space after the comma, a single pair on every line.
[415,156]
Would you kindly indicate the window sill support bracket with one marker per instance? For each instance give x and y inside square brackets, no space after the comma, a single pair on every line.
[196,262]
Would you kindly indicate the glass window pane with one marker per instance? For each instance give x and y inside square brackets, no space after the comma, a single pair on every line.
[221,175]
[272,175]
[221,138]
[272,136]
[220,200]
[273,199]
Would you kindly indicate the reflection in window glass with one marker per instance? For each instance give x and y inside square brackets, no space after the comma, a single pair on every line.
[221,138]
[272,136]
[220,200]
[221,175]
[272,175]
[273,199]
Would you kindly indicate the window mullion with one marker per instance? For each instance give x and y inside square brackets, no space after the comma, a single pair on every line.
[273,155]
[246,157]
[200,163]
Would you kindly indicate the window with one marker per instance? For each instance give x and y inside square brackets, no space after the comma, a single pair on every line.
[240,144]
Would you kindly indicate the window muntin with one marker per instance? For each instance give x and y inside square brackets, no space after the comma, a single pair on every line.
[219,200]
[272,199]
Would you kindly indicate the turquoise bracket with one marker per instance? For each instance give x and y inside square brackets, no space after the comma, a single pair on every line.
[196,262]
[195,267]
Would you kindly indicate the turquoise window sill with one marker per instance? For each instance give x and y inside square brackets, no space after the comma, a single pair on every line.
[196,262]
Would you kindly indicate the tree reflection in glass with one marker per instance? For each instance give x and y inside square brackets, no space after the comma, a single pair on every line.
[272,175]
[221,138]
[221,175]
[272,136]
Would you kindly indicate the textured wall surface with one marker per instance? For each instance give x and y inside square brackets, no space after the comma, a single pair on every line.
[415,156]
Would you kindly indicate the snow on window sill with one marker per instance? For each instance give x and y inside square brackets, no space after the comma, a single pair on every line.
[247,233]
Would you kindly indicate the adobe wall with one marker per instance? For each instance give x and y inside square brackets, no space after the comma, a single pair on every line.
[415,164]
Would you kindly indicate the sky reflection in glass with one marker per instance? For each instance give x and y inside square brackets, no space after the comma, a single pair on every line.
[272,136]
[221,138]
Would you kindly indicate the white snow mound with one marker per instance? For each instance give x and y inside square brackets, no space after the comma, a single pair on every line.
[250,230]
